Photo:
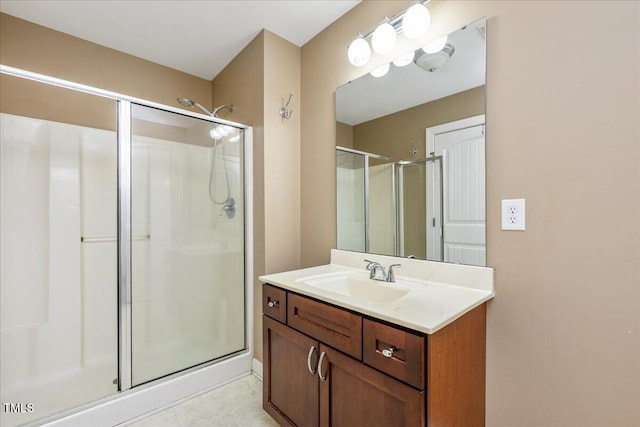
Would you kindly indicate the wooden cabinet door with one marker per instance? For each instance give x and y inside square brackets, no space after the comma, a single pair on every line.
[352,395]
[290,389]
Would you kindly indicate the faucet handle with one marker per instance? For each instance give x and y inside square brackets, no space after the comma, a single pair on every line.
[391,277]
[370,264]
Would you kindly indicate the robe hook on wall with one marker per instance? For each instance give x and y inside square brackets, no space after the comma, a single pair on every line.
[285,113]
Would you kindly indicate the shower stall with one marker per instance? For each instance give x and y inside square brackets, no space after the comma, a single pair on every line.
[125,252]
[383,204]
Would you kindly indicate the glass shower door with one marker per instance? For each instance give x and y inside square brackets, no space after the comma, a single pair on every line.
[351,209]
[381,224]
[187,232]
[412,206]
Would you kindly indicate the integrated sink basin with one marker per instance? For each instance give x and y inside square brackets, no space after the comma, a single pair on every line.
[356,286]
[426,295]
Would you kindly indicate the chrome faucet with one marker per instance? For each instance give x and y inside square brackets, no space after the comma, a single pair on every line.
[374,267]
[391,275]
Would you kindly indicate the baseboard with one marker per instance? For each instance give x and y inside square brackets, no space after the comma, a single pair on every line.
[131,404]
[256,368]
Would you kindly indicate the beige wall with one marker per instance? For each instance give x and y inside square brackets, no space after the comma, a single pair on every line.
[266,71]
[344,135]
[39,49]
[35,48]
[394,135]
[28,98]
[281,155]
[562,132]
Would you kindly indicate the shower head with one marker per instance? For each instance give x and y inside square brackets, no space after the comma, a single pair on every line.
[186,102]
[190,103]
[231,108]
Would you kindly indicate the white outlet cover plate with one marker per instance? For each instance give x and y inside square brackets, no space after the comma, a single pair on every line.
[513,214]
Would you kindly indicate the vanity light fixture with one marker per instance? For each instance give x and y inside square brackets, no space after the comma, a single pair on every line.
[383,39]
[215,133]
[413,23]
[416,20]
[432,61]
[220,131]
[380,71]
[404,60]
[436,45]
[359,52]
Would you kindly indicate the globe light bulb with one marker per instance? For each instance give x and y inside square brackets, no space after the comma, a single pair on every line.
[415,21]
[383,39]
[222,131]
[380,71]
[215,133]
[359,52]
[404,60]
[436,45]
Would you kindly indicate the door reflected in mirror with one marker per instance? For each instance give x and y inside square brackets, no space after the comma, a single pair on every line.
[410,155]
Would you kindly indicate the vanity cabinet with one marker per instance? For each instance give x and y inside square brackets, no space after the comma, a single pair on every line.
[354,394]
[293,389]
[326,365]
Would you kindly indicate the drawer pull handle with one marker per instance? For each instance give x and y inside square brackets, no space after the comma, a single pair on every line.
[273,303]
[311,351]
[388,352]
[322,355]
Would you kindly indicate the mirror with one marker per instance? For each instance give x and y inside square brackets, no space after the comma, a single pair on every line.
[410,155]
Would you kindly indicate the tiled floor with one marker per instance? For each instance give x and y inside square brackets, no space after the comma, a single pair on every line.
[236,404]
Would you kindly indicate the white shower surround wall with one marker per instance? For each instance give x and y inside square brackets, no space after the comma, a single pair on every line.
[70,151]
[62,297]
[350,189]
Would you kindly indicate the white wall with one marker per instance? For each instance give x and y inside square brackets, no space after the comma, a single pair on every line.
[59,296]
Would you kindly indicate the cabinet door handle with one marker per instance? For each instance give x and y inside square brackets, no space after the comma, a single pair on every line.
[388,352]
[274,303]
[311,351]
[322,355]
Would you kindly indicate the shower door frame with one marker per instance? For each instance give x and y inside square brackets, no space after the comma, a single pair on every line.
[400,206]
[104,407]
[394,195]
[397,197]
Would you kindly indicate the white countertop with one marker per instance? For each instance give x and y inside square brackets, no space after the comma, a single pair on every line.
[431,294]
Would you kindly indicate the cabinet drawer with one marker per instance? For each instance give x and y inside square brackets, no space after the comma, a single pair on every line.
[333,326]
[274,303]
[399,353]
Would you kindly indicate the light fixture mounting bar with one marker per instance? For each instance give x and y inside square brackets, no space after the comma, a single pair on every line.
[395,21]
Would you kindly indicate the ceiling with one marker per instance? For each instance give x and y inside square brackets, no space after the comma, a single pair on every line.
[197,37]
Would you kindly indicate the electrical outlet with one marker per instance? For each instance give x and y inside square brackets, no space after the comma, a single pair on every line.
[513,217]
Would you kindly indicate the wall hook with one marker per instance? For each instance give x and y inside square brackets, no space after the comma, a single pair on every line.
[285,113]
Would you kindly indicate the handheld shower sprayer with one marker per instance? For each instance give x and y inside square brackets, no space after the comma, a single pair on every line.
[228,204]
